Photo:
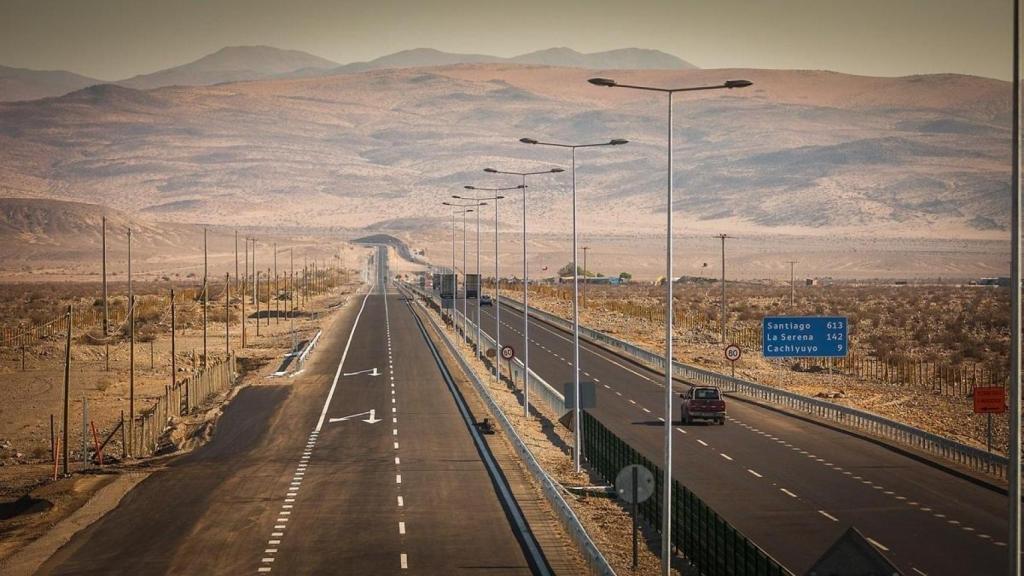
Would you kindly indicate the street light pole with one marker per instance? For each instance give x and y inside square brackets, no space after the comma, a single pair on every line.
[586,277]
[724,306]
[666,515]
[456,293]
[526,288]
[577,428]
[455,277]
[1014,475]
[497,311]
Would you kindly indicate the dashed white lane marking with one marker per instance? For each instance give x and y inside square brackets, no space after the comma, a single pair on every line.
[645,410]
[681,431]
[396,445]
[726,456]
[754,473]
[787,492]
[398,478]
[877,544]
[401,527]
[702,443]
[918,571]
[401,502]
[405,562]
[829,516]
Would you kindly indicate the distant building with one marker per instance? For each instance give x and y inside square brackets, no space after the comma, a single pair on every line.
[593,280]
[995,281]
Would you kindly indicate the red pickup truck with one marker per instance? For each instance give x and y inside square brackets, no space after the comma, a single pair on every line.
[703,403]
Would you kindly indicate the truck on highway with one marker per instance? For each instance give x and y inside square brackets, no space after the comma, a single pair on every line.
[703,403]
[447,285]
[472,285]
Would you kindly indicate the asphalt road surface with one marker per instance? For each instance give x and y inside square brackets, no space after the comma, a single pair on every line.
[790,485]
[302,478]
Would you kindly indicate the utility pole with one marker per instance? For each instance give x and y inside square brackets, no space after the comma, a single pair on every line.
[243,297]
[792,284]
[131,351]
[130,293]
[106,315]
[227,315]
[255,291]
[236,255]
[206,297]
[291,295]
[67,386]
[277,290]
[586,276]
[268,297]
[174,349]
[724,307]
[131,377]
[256,296]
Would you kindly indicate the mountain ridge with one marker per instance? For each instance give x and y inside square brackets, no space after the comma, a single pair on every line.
[818,152]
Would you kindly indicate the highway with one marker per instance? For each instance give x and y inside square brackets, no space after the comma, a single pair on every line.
[790,485]
[362,464]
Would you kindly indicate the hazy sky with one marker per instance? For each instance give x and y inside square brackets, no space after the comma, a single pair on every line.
[114,39]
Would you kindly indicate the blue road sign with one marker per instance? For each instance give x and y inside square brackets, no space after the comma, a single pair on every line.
[804,336]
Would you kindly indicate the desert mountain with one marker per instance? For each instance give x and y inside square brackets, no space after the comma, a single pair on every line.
[24,84]
[800,151]
[231,64]
[623,59]
[63,233]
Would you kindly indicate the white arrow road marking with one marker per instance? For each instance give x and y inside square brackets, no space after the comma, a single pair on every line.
[370,372]
[372,419]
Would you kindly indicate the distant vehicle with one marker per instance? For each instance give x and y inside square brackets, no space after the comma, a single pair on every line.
[486,300]
[703,403]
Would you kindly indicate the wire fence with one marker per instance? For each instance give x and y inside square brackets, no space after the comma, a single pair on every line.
[941,377]
[178,400]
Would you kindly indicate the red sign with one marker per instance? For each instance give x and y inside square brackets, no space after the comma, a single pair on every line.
[990,400]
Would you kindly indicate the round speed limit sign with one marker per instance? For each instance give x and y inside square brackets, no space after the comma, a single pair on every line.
[732,353]
[507,352]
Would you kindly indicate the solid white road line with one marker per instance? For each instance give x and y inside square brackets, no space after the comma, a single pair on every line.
[337,375]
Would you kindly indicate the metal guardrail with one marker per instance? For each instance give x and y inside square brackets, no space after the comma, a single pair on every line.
[597,564]
[974,458]
[540,390]
[309,347]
